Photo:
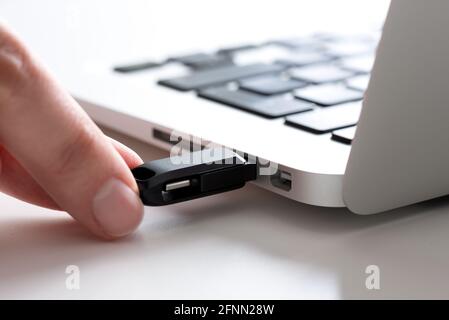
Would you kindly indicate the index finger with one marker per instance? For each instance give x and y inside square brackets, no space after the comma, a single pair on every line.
[65,152]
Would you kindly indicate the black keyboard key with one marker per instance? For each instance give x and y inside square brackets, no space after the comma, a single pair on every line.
[347,49]
[358,83]
[138,66]
[354,39]
[305,43]
[236,49]
[300,58]
[199,61]
[362,64]
[269,107]
[344,135]
[321,73]
[328,94]
[217,76]
[327,120]
[326,37]
[270,84]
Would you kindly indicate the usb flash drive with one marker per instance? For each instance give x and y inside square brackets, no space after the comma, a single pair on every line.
[199,174]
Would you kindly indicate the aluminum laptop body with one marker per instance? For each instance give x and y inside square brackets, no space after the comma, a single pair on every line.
[398,155]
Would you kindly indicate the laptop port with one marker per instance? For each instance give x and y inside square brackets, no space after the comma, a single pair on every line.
[163,136]
[184,142]
[282,180]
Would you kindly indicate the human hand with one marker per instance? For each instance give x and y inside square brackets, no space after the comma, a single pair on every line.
[53,155]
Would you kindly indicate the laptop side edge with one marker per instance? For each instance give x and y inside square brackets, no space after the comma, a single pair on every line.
[400,154]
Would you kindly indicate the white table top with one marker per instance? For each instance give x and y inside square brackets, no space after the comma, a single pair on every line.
[248,243]
[244,244]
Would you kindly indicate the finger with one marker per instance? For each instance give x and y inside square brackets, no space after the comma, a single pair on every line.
[17,182]
[62,149]
[131,158]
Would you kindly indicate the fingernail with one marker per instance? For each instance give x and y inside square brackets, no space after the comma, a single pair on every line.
[117,208]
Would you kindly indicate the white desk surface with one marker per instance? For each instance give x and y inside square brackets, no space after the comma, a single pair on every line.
[244,244]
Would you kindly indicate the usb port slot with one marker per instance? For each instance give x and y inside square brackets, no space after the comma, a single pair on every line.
[185,143]
[282,180]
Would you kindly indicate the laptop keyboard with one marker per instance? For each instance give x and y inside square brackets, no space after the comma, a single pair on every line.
[274,106]
[315,83]
[327,120]
[328,95]
[271,84]
[218,76]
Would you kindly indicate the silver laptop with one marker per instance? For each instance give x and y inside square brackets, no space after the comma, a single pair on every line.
[359,122]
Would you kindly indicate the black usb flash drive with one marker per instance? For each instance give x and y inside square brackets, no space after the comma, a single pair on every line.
[199,174]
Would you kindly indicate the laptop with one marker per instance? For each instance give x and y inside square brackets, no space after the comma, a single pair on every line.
[355,121]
